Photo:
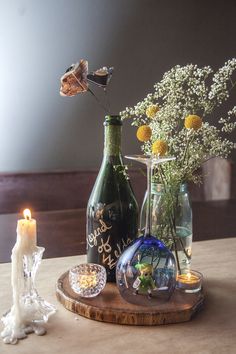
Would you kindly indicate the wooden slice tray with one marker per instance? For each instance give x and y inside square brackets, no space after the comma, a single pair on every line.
[109,306]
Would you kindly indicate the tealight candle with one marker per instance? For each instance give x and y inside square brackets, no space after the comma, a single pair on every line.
[88,279]
[190,282]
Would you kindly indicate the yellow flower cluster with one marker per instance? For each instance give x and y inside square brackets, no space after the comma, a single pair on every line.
[193,122]
[152,110]
[159,147]
[144,133]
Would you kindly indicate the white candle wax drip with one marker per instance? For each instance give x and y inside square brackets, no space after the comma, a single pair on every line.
[29,310]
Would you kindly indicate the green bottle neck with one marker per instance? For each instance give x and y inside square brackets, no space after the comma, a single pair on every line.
[112,143]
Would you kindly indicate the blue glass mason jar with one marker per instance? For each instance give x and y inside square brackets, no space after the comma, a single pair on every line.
[171,217]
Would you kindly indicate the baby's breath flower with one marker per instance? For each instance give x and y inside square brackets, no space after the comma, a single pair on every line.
[159,147]
[193,121]
[144,133]
[183,93]
[152,110]
[186,96]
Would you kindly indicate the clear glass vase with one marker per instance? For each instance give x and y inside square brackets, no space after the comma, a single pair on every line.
[171,215]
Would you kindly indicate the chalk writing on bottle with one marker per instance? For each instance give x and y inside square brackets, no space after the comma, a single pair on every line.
[92,238]
[110,254]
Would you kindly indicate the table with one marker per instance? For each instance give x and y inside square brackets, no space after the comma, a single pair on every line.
[211,331]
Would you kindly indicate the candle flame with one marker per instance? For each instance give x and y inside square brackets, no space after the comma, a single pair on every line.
[27,214]
[189,276]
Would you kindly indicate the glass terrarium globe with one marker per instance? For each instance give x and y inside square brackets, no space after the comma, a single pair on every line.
[146,272]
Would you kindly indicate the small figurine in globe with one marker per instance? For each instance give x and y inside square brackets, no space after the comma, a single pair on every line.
[144,283]
[146,271]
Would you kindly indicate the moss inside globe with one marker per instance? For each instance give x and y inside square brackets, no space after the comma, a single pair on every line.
[146,272]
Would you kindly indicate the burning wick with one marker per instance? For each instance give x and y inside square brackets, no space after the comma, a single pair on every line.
[27,214]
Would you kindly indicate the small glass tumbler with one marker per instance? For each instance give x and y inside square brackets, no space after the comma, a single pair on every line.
[87,280]
[190,282]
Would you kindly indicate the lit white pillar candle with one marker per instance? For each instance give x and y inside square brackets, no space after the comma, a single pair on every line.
[29,311]
[25,246]
[26,234]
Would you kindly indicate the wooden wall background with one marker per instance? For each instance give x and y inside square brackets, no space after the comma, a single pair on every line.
[59,199]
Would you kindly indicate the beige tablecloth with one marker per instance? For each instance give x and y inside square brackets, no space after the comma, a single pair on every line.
[212,331]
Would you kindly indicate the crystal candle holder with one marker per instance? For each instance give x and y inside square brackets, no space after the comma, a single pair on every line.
[190,282]
[30,311]
[88,280]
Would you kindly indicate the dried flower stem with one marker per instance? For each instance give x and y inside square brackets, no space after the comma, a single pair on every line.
[99,102]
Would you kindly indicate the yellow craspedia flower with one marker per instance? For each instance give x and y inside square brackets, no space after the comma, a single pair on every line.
[193,122]
[144,133]
[152,110]
[159,147]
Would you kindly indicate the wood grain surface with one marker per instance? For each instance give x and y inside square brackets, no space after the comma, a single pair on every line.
[62,232]
[109,306]
[58,201]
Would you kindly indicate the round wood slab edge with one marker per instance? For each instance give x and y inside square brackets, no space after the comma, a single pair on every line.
[109,306]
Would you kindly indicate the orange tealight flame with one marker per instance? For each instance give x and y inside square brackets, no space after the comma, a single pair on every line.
[189,276]
[27,214]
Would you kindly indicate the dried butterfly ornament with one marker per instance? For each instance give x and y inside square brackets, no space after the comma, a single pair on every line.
[76,78]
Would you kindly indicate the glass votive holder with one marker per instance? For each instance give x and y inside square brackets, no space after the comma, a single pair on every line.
[87,280]
[190,282]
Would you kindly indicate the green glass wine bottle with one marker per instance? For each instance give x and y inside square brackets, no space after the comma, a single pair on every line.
[112,212]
